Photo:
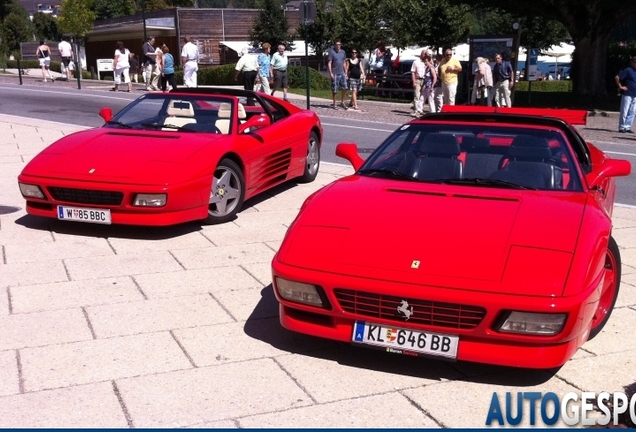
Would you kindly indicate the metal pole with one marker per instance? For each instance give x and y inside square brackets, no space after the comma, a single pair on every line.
[78,64]
[19,72]
[306,53]
[143,17]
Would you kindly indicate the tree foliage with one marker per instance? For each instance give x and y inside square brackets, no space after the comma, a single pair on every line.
[16,29]
[590,24]
[536,32]
[434,23]
[76,17]
[45,26]
[271,25]
[321,33]
[113,8]
[362,23]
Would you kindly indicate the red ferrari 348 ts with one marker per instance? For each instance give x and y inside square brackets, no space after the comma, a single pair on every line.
[483,235]
[174,157]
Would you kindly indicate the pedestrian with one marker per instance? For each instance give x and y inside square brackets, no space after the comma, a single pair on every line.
[626,82]
[482,84]
[337,67]
[356,78]
[43,54]
[278,70]
[190,61]
[134,67]
[66,52]
[159,60]
[377,64]
[121,66]
[424,77]
[503,76]
[248,65]
[436,100]
[264,66]
[167,70]
[150,64]
[450,68]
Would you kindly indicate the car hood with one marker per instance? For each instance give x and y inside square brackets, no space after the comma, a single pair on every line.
[113,155]
[468,237]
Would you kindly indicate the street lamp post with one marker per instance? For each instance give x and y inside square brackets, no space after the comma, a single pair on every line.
[515,59]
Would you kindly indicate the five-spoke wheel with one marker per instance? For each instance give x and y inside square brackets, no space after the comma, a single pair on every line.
[312,163]
[227,193]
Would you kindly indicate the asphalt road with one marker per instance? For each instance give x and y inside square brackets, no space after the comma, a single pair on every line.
[72,106]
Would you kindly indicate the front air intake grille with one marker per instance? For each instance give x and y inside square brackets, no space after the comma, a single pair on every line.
[431,313]
[86,196]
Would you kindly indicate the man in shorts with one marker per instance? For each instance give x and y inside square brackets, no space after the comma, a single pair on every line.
[337,66]
[279,70]
[66,52]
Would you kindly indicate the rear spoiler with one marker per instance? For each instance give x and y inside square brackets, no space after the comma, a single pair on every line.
[571,116]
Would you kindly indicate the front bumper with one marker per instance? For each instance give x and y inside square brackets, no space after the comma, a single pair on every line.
[185,201]
[482,343]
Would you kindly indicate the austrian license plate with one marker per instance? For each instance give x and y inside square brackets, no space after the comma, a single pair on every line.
[405,341]
[79,214]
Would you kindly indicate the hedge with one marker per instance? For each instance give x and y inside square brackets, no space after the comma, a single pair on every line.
[545,86]
[224,75]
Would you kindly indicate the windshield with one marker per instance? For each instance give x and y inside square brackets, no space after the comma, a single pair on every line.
[186,113]
[480,155]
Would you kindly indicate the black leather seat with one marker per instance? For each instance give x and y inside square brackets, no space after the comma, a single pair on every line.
[530,163]
[481,160]
[437,158]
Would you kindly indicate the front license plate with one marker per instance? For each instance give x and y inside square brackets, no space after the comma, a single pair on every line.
[405,341]
[79,214]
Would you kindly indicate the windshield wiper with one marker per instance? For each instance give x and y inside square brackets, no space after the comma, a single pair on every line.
[387,173]
[120,124]
[487,182]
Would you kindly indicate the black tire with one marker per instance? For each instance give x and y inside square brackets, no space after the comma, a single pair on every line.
[610,289]
[226,193]
[312,163]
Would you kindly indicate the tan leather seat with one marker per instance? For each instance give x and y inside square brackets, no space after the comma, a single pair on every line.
[224,117]
[180,113]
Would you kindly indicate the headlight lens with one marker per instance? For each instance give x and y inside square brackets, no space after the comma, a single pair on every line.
[298,292]
[31,191]
[533,323]
[150,200]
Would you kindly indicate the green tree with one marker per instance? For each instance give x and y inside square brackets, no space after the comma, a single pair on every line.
[76,17]
[271,25]
[433,23]
[16,29]
[45,26]
[590,24]
[113,8]
[362,23]
[321,32]
[536,32]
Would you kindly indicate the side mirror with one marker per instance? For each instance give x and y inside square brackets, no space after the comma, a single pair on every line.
[106,114]
[349,151]
[255,122]
[609,168]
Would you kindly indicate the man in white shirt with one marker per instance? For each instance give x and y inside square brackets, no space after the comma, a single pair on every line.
[66,52]
[248,64]
[279,71]
[190,62]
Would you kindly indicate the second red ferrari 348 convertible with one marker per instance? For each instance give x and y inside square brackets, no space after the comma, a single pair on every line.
[481,234]
[168,158]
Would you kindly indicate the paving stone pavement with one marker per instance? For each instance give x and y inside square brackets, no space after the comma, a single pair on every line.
[111,326]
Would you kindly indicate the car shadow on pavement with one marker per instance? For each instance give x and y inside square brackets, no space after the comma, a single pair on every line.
[107,231]
[264,325]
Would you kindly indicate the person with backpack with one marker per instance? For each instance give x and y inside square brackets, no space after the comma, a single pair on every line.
[504,81]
